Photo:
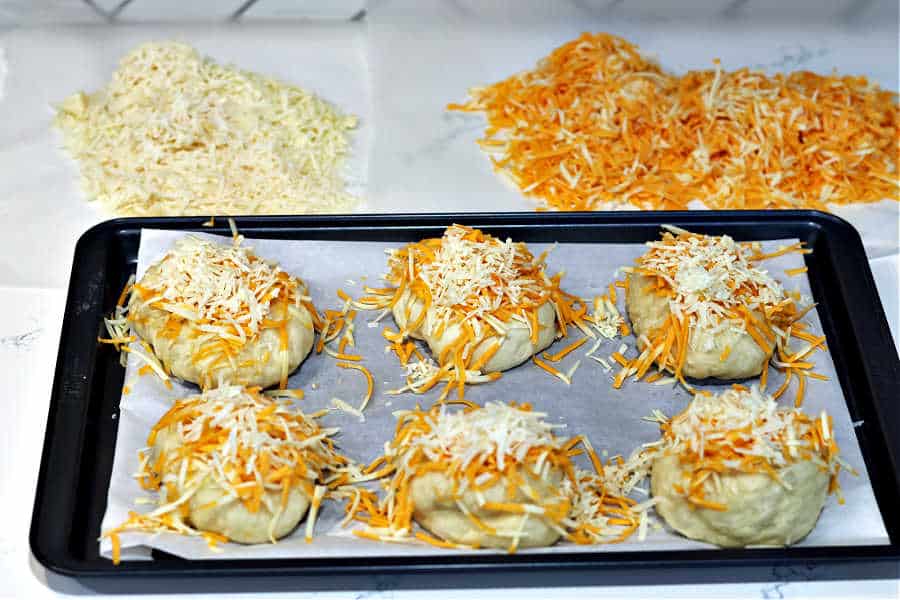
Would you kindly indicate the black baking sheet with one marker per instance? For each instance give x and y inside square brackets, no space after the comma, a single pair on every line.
[78,449]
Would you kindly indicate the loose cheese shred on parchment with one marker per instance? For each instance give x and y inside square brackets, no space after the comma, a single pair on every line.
[174,133]
[597,125]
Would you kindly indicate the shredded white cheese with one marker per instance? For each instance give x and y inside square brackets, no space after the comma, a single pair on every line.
[174,133]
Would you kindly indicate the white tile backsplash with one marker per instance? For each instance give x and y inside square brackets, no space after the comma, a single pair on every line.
[144,11]
[46,12]
[303,9]
[797,10]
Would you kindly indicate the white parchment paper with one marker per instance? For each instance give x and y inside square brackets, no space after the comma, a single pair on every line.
[610,418]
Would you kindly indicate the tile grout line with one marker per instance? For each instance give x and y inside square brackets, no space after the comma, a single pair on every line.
[241,10]
[119,8]
[98,10]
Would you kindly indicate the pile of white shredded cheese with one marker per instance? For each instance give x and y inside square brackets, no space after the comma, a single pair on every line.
[464,270]
[174,133]
[744,423]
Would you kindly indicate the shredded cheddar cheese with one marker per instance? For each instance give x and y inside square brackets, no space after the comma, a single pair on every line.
[370,382]
[597,125]
[606,319]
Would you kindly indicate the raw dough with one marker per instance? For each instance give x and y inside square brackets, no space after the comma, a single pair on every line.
[648,312]
[229,516]
[760,511]
[437,511]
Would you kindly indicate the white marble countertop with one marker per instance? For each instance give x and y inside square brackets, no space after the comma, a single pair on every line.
[42,214]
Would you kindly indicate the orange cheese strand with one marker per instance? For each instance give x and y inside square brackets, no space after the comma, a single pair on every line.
[551,369]
[370,381]
[596,122]
[566,351]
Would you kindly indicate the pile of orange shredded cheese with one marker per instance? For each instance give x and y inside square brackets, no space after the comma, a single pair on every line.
[220,295]
[597,125]
[743,431]
[474,280]
[249,444]
[712,284]
[477,448]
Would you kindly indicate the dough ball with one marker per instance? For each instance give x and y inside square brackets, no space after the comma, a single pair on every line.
[232,519]
[181,349]
[760,510]
[648,312]
[211,509]
[436,510]
[516,346]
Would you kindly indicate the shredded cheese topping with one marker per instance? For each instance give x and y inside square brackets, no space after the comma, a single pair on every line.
[709,277]
[712,284]
[478,448]
[743,431]
[249,444]
[476,281]
[174,133]
[222,295]
[597,125]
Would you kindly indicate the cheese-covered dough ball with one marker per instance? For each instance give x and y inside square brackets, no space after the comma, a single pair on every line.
[211,508]
[700,307]
[483,305]
[239,464]
[486,477]
[760,510]
[705,356]
[737,470]
[217,314]
[438,511]
[515,345]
